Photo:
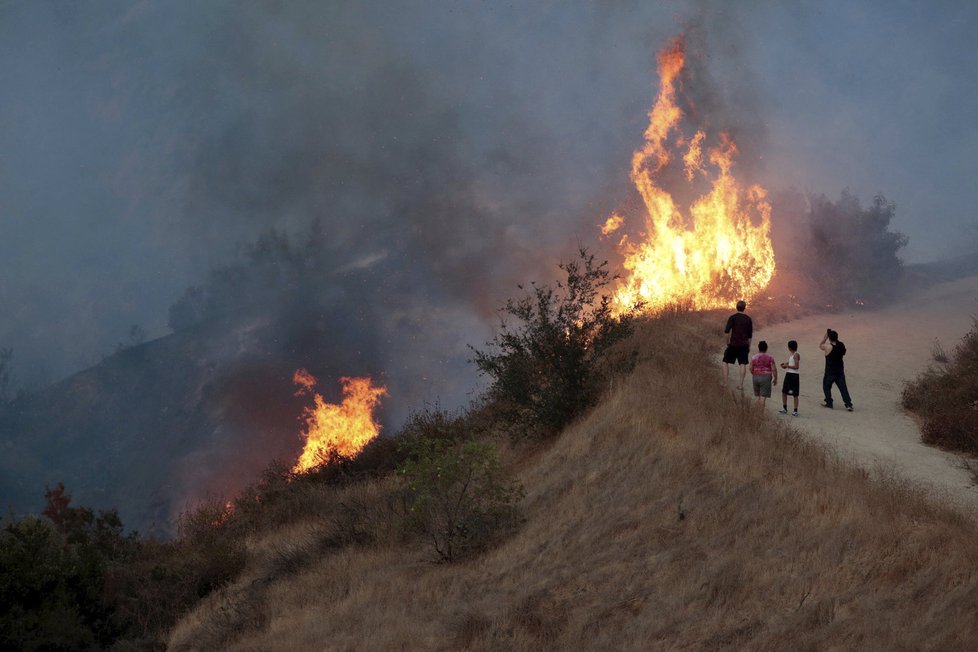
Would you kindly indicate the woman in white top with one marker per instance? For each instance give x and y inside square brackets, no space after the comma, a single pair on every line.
[790,386]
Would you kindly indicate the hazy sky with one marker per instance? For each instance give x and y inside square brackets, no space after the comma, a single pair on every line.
[143,142]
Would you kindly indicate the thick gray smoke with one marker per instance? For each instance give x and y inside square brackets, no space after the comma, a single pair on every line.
[143,142]
[455,150]
[436,171]
[438,153]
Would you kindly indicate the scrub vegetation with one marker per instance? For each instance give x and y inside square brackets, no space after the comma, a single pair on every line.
[555,350]
[664,518]
[945,397]
[441,482]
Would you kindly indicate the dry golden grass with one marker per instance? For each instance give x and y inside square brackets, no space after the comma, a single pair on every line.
[671,517]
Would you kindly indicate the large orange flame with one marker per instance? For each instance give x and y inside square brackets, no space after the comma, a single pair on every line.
[721,252]
[344,429]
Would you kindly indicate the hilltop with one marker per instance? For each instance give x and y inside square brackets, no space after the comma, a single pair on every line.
[672,515]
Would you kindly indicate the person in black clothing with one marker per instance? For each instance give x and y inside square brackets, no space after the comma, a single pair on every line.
[741,329]
[834,369]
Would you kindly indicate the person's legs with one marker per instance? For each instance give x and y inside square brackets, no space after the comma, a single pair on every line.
[827,389]
[789,387]
[729,357]
[840,380]
[740,354]
[762,389]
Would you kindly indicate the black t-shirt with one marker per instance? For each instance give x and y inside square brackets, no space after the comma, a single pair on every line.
[833,359]
[741,329]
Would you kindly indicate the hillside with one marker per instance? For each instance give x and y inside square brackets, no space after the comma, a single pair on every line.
[197,413]
[672,516]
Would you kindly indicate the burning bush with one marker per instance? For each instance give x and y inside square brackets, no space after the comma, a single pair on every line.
[551,364]
[713,252]
[946,397]
[338,430]
[460,497]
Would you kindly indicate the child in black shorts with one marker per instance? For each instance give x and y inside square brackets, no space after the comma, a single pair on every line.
[790,386]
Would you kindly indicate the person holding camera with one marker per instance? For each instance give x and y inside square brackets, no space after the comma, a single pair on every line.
[835,372]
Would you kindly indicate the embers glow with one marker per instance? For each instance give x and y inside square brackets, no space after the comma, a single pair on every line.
[342,429]
[721,250]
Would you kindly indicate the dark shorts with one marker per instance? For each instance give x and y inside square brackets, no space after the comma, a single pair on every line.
[790,386]
[737,354]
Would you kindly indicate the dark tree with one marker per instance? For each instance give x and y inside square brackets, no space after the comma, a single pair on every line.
[852,254]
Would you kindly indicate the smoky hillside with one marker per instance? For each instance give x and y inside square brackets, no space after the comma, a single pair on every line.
[248,188]
[157,427]
[452,167]
[160,425]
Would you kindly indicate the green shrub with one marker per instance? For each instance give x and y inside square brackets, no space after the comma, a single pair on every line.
[552,362]
[52,577]
[460,498]
[76,581]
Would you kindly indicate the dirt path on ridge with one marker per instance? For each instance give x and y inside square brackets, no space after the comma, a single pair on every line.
[885,348]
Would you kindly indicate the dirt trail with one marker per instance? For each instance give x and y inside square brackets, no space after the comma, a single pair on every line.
[885,349]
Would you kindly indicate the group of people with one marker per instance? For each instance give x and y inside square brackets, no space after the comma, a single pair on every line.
[764,369]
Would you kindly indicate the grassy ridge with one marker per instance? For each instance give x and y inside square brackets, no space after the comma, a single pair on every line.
[670,516]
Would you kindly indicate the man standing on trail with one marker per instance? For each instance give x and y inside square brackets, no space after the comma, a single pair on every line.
[741,329]
[834,369]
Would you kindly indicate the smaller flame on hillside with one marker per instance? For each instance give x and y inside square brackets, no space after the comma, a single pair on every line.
[345,428]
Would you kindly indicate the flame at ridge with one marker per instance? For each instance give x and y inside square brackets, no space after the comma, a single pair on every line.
[345,428]
[717,254]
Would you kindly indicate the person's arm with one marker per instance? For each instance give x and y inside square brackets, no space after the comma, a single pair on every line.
[825,345]
[774,371]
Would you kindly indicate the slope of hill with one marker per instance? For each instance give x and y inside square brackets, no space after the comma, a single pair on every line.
[672,516]
[199,412]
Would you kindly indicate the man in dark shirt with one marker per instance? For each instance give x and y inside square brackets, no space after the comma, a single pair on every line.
[834,369]
[741,329]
